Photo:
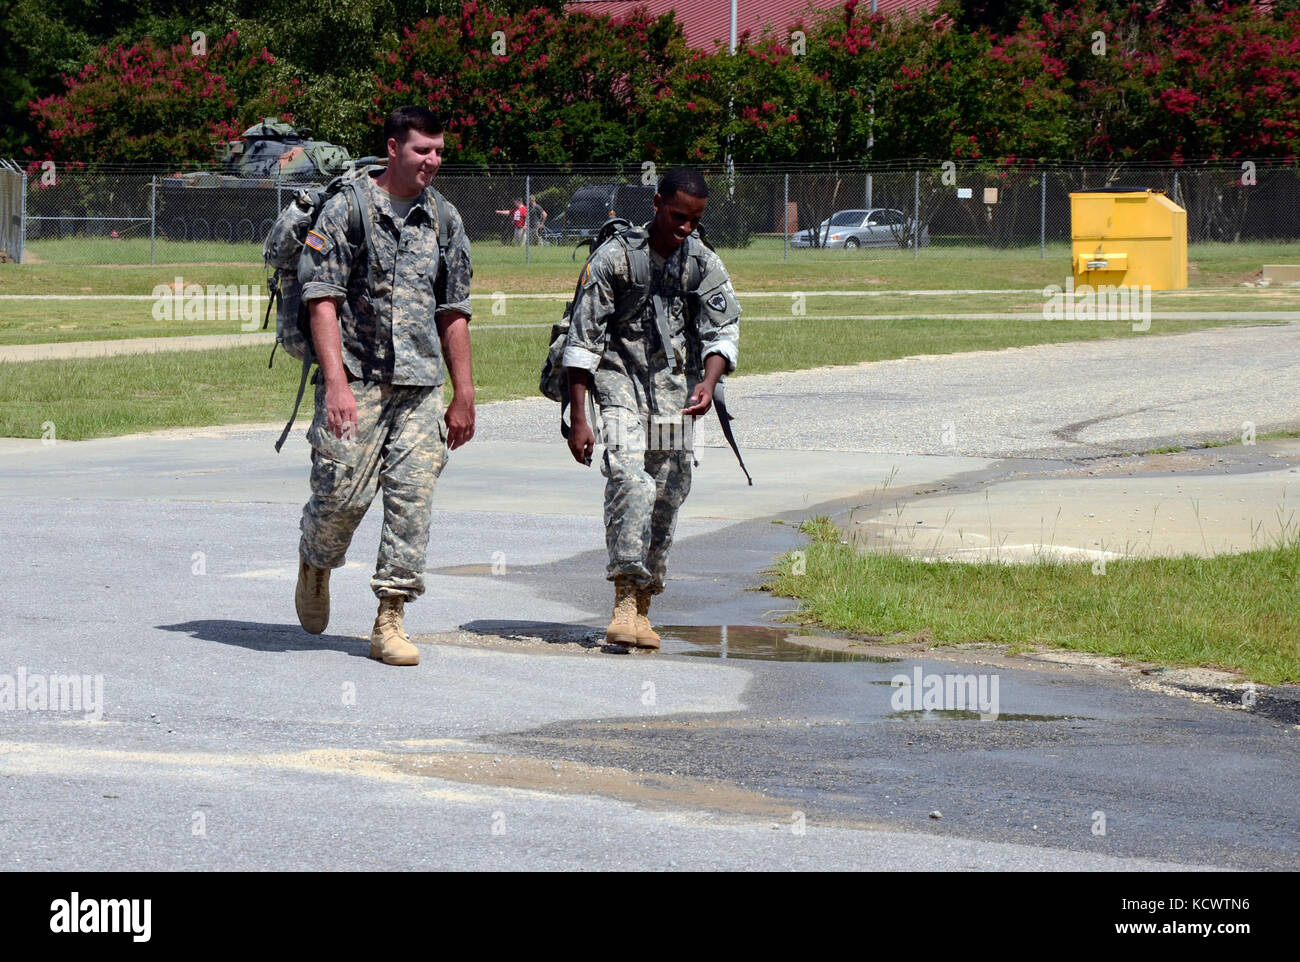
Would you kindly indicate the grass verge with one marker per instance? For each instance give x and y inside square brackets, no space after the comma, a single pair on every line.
[145,392]
[100,397]
[1236,612]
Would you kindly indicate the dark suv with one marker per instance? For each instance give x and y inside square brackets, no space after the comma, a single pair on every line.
[591,206]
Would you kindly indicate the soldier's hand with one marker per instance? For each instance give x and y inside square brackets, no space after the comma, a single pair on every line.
[581,442]
[460,422]
[341,410]
[700,401]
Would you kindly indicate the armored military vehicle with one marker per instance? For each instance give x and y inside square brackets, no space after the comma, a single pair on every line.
[258,175]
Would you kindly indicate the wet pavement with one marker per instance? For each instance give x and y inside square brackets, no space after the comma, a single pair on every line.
[826,738]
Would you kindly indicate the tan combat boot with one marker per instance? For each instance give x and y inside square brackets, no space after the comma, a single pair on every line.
[312,599]
[646,636]
[388,641]
[622,627]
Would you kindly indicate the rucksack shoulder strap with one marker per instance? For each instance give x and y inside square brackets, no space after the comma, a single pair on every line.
[358,215]
[636,245]
[308,360]
[694,265]
[444,220]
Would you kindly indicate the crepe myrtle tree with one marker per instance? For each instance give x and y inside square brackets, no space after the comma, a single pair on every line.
[533,86]
[938,92]
[1096,80]
[160,103]
[1205,81]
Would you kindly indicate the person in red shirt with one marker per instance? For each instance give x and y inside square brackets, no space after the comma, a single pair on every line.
[518,214]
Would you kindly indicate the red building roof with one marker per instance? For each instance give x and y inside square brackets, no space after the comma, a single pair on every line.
[706,22]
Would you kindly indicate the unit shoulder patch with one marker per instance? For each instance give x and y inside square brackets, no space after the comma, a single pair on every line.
[718,301]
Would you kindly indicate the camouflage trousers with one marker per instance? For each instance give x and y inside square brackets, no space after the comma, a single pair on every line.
[399,446]
[647,466]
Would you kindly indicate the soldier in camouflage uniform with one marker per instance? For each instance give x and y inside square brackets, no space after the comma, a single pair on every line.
[648,396]
[382,321]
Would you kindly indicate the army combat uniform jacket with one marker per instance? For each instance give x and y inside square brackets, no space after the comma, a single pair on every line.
[626,355]
[390,303]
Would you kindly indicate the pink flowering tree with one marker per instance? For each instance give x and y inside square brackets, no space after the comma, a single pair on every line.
[533,87]
[151,103]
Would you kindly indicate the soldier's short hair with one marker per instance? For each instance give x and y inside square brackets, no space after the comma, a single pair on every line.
[686,179]
[405,119]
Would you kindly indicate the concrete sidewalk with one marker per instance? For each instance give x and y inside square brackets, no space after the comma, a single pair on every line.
[1203,502]
[65,350]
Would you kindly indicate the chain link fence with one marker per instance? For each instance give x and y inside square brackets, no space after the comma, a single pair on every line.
[81,215]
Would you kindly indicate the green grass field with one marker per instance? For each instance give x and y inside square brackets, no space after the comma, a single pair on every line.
[135,249]
[757,270]
[105,266]
[496,267]
[1237,612]
[35,322]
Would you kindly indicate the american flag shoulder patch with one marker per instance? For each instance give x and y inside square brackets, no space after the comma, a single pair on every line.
[315,240]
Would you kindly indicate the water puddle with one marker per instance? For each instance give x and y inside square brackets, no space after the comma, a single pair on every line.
[960,714]
[758,643]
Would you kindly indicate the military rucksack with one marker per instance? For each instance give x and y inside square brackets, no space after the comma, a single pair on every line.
[283,251]
[635,241]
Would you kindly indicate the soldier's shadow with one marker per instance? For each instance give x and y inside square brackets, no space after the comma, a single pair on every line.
[263,636]
[552,632]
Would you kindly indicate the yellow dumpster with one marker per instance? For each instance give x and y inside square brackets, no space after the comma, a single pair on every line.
[1128,236]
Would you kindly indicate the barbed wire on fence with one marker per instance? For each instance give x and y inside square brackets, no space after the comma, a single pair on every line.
[123,215]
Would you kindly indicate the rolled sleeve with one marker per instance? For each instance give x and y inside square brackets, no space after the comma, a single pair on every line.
[315,290]
[726,350]
[591,314]
[452,291]
[575,356]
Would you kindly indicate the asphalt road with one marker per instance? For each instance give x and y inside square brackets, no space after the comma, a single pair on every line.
[229,739]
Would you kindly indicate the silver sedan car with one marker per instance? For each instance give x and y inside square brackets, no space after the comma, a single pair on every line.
[880,227]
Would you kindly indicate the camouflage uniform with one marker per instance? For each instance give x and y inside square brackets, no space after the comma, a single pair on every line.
[393,357]
[648,458]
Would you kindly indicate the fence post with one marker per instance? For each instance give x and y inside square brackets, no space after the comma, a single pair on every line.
[153,213]
[916,215]
[1175,197]
[528,218]
[22,217]
[785,221]
[1042,216]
